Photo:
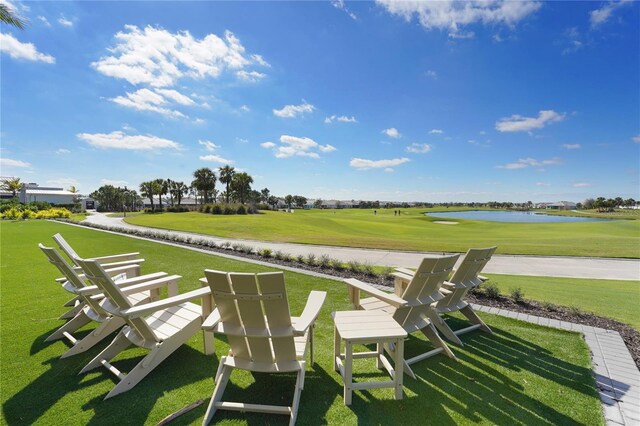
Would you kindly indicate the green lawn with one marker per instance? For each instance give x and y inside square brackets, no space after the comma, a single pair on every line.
[411,231]
[608,298]
[524,374]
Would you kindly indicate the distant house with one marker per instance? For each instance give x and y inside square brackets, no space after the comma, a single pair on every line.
[166,201]
[338,204]
[31,192]
[560,205]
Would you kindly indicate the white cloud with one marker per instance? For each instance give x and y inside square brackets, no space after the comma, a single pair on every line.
[582,185]
[65,22]
[63,151]
[258,59]
[326,148]
[452,15]
[362,164]
[462,35]
[431,74]
[159,58]
[64,182]
[518,123]
[208,145]
[419,148]
[250,76]
[339,4]
[175,96]
[119,140]
[8,162]
[602,15]
[293,111]
[147,100]
[267,145]
[573,41]
[44,21]
[636,139]
[244,108]
[340,119]
[113,182]
[392,132]
[542,184]
[242,140]
[216,159]
[523,163]
[389,170]
[571,146]
[436,131]
[291,146]
[18,50]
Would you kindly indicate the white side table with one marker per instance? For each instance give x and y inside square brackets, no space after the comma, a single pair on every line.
[363,327]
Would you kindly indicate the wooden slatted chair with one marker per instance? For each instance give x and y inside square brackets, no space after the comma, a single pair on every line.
[91,300]
[254,313]
[161,326]
[112,261]
[412,306]
[466,277]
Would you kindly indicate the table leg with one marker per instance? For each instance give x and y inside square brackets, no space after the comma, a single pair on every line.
[336,348]
[348,374]
[399,366]
[380,347]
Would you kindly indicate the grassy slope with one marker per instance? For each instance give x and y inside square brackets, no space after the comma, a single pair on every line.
[411,231]
[608,298]
[524,374]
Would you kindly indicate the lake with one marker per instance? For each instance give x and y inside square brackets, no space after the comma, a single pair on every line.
[512,216]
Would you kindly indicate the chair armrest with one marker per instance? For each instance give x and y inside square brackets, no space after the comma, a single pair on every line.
[310,313]
[61,280]
[211,321]
[149,308]
[406,271]
[151,285]
[141,279]
[122,263]
[90,290]
[402,276]
[117,258]
[112,272]
[389,298]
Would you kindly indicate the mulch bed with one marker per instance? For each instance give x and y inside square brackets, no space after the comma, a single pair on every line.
[630,336]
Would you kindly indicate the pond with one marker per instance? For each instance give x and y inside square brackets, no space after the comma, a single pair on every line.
[513,216]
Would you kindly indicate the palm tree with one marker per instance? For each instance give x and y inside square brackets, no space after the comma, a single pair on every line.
[226,176]
[241,186]
[161,189]
[149,189]
[13,184]
[9,17]
[205,181]
[178,190]
[265,195]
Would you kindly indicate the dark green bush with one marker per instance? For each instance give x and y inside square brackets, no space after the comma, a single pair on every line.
[216,209]
[241,210]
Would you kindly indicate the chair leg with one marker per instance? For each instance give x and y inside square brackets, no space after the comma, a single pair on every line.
[73,311]
[216,397]
[296,395]
[430,333]
[468,312]
[80,320]
[444,328]
[107,327]
[391,349]
[119,344]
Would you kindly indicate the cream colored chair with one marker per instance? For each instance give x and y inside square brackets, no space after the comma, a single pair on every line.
[161,326]
[112,261]
[253,311]
[465,278]
[91,301]
[411,306]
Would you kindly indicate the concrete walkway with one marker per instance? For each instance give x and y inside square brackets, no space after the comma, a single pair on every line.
[616,375]
[554,266]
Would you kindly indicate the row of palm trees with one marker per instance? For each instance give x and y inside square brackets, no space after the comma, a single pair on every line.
[237,187]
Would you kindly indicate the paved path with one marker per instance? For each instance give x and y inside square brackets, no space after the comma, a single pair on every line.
[616,375]
[555,266]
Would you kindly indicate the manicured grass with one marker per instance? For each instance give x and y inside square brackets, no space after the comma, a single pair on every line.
[523,374]
[411,231]
[608,298]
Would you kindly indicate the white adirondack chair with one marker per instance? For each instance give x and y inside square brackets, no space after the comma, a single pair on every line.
[411,305]
[161,326]
[112,261]
[253,311]
[465,278]
[91,300]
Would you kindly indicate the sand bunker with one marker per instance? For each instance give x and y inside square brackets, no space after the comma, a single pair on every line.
[445,222]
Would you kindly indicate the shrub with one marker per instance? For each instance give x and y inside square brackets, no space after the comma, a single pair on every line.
[492,291]
[12,214]
[300,258]
[207,208]
[551,307]
[387,271]
[279,255]
[354,266]
[177,209]
[252,210]
[28,214]
[517,295]
[226,245]
[311,259]
[236,246]
[367,268]
[265,253]
[228,210]
[262,206]
[216,209]
[324,261]
[338,265]
[241,210]
[574,310]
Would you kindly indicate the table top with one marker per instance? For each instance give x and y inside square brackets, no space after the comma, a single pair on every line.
[367,325]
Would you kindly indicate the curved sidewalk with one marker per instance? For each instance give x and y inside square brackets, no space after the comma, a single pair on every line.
[548,266]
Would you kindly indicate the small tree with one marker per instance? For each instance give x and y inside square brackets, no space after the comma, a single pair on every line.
[226,176]
[241,186]
[205,182]
[288,200]
[318,204]
[265,195]
[13,185]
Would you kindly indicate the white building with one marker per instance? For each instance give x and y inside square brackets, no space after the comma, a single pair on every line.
[31,192]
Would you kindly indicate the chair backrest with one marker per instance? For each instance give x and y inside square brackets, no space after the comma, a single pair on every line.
[66,248]
[63,266]
[96,274]
[254,314]
[425,284]
[472,264]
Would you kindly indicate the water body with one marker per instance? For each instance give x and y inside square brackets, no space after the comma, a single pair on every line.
[513,216]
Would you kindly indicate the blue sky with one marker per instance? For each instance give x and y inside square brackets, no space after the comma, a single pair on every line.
[411,101]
